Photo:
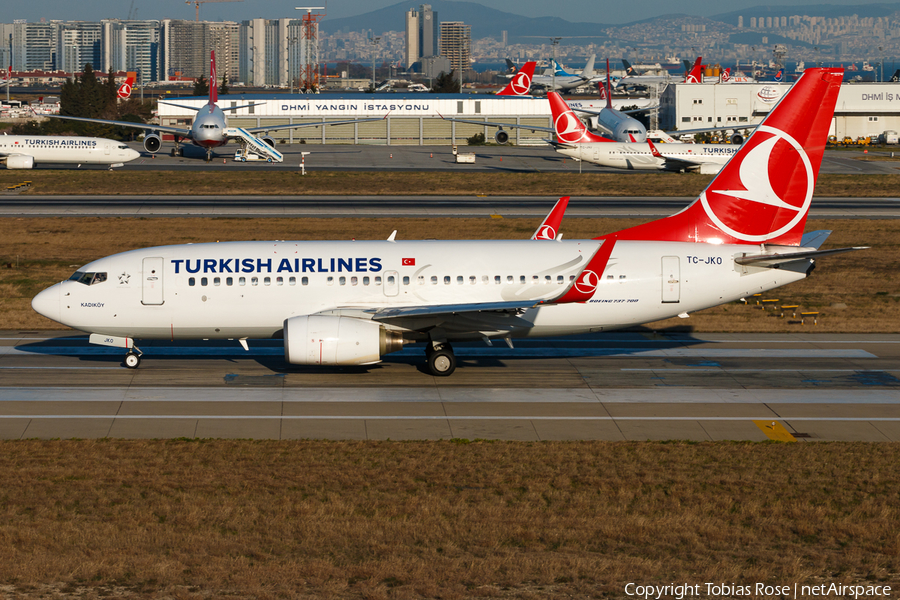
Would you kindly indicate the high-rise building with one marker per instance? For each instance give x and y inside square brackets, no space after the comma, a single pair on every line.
[455,39]
[78,44]
[411,54]
[131,46]
[185,47]
[272,52]
[428,31]
[33,46]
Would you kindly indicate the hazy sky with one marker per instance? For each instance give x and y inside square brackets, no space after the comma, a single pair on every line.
[571,10]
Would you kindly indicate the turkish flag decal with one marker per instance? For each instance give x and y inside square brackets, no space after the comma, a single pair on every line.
[409,262]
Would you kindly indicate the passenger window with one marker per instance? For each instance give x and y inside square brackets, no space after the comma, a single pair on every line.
[421,280]
[535,279]
[217,281]
[366,280]
[472,279]
[406,280]
[292,281]
[547,278]
[192,282]
[204,281]
[354,280]
[434,280]
[446,280]
[242,281]
[342,280]
[267,281]
[559,279]
[522,279]
[378,280]
[254,281]
[229,281]
[497,279]
[509,279]
[330,280]
[304,281]
[610,277]
[390,280]
[485,279]
[459,280]
[279,281]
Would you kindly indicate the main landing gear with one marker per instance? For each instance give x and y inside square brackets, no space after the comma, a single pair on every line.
[133,358]
[440,359]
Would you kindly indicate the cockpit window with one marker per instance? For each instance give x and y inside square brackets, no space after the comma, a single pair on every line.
[88,278]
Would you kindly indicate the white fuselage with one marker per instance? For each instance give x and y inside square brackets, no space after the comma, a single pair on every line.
[248,289]
[208,127]
[67,149]
[638,157]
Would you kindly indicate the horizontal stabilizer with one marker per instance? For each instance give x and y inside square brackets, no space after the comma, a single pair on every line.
[775,259]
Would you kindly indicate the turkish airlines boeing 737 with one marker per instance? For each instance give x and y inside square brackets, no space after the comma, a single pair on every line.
[349,303]
[25,151]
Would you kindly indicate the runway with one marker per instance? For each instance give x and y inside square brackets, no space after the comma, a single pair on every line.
[398,206]
[624,386]
[513,159]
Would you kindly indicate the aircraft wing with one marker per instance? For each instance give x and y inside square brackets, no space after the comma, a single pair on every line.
[318,124]
[145,126]
[448,310]
[677,132]
[624,112]
[501,125]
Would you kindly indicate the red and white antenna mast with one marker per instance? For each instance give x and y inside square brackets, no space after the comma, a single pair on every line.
[309,44]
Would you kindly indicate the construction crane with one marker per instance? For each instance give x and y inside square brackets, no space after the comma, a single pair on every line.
[197,4]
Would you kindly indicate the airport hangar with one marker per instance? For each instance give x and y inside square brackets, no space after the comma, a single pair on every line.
[863,109]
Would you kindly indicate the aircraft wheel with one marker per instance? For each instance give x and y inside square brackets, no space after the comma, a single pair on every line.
[132,360]
[442,362]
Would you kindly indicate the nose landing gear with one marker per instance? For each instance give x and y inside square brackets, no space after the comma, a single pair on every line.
[133,358]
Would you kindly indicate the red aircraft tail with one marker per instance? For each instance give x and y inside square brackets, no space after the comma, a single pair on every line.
[520,84]
[762,195]
[569,128]
[696,74]
[213,81]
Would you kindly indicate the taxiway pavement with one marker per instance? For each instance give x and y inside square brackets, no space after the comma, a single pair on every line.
[621,386]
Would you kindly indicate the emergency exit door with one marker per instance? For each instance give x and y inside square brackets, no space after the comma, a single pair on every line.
[671,279]
[152,277]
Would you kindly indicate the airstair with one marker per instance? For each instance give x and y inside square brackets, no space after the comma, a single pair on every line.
[254,144]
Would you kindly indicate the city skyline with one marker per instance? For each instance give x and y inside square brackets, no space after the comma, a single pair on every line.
[574,10]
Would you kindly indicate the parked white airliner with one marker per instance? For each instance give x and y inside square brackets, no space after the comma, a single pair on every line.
[349,303]
[573,139]
[25,151]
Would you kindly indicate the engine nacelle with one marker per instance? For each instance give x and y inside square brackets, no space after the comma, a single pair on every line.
[501,137]
[268,140]
[737,138]
[324,340]
[152,143]
[19,161]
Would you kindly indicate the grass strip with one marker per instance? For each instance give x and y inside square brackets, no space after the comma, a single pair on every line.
[246,519]
[272,183]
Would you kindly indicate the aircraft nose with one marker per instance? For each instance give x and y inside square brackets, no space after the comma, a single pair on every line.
[47,303]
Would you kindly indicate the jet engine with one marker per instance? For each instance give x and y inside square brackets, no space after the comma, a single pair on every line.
[325,340]
[152,143]
[19,161]
[501,137]
[737,138]
[269,140]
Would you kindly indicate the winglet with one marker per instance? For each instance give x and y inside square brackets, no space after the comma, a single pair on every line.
[393,236]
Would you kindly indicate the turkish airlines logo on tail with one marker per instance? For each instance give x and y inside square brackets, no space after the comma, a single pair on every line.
[569,128]
[124,90]
[768,164]
[726,75]
[520,84]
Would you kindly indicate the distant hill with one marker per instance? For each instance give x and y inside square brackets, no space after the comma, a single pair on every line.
[485,22]
[830,11]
